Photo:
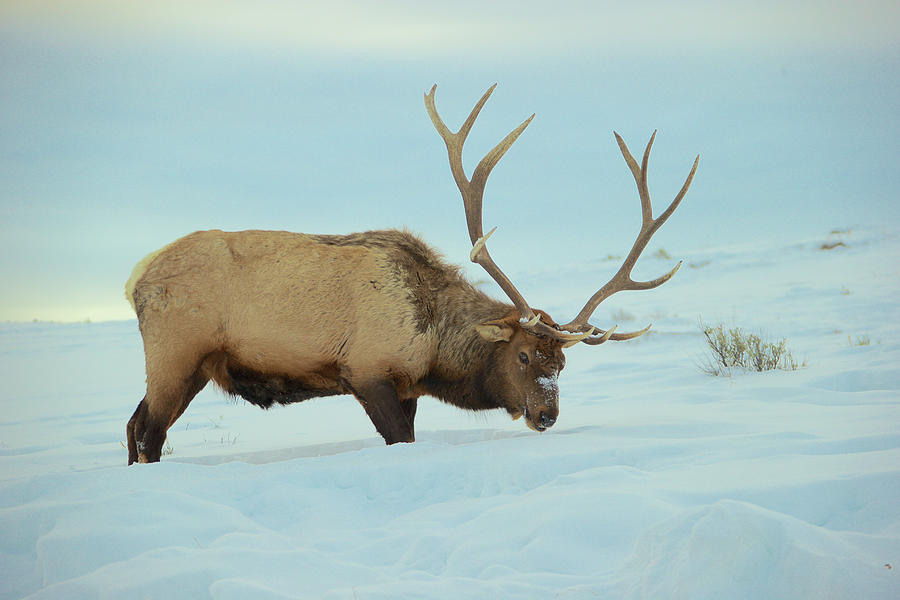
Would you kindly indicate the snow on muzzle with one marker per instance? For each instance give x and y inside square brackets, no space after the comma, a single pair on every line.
[542,404]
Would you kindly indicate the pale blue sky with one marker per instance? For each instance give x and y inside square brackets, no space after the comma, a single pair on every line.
[126,125]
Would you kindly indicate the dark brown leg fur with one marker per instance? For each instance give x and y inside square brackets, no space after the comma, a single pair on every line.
[409,409]
[147,435]
[145,438]
[393,418]
[140,415]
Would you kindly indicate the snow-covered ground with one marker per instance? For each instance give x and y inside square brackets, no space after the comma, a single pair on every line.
[659,481]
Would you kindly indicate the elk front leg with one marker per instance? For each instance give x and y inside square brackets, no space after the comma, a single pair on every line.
[393,418]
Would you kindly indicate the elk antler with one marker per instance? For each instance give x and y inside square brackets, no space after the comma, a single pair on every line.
[622,279]
[473,192]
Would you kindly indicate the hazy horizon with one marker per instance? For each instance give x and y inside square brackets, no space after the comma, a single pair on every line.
[125,126]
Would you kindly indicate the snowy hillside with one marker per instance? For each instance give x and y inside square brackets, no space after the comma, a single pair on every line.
[658,481]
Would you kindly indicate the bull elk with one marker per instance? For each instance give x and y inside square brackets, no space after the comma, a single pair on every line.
[278,317]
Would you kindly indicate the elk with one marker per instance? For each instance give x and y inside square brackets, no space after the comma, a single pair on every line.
[277,317]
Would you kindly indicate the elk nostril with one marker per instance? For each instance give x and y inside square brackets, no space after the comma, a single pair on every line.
[546,420]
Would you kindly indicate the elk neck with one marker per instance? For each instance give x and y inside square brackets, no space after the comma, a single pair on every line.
[460,375]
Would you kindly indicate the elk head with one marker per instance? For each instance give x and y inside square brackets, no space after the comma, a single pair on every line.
[525,370]
[529,358]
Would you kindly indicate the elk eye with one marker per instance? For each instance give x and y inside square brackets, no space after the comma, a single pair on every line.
[523,358]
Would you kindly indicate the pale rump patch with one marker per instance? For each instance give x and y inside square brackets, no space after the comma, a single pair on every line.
[138,272]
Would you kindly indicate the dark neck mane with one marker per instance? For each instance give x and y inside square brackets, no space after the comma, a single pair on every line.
[458,376]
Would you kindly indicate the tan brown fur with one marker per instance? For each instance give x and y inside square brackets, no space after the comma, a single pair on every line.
[279,317]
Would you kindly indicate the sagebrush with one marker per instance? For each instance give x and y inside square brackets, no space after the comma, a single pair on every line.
[734,348]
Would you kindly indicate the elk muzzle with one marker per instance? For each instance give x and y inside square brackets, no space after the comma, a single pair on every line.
[542,405]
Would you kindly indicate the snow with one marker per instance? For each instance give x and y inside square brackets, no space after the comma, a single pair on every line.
[658,481]
[550,383]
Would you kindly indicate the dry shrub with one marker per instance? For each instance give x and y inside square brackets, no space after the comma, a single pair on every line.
[736,349]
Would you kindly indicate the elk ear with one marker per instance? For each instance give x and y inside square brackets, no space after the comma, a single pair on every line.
[495,331]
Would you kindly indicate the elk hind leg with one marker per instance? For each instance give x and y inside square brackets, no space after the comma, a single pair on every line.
[160,408]
[137,423]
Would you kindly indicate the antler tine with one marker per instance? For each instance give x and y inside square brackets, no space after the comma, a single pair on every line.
[454,143]
[473,190]
[622,279]
[640,174]
[490,160]
[616,337]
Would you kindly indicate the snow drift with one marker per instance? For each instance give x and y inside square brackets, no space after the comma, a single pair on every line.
[658,481]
